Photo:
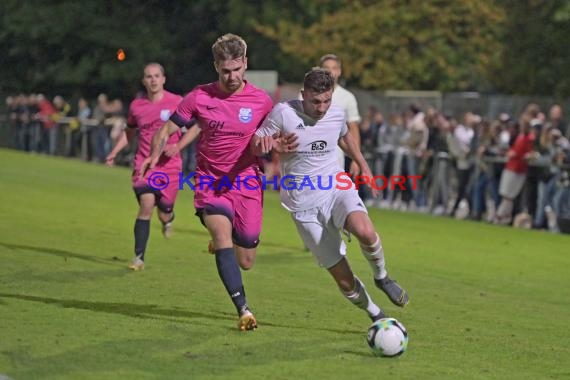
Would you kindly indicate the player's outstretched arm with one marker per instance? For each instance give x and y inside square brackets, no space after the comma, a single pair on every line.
[354,131]
[158,144]
[279,142]
[124,140]
[350,147]
[187,138]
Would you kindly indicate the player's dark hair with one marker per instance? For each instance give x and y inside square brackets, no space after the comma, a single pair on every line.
[229,47]
[318,80]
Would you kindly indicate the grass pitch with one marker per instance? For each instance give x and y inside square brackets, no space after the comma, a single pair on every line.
[487,302]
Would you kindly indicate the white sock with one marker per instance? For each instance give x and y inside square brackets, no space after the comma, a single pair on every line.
[505,211]
[359,297]
[374,254]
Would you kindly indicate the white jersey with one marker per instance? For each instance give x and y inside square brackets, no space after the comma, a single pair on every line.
[347,101]
[309,174]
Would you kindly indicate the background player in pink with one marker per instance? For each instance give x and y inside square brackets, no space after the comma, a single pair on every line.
[228,111]
[146,115]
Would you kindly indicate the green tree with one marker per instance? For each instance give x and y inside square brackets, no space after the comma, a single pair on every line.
[65,44]
[536,58]
[499,45]
[244,17]
[393,44]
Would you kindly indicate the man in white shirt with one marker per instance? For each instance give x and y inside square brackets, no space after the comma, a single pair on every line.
[347,101]
[310,131]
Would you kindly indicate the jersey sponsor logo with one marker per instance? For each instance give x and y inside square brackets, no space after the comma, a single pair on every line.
[245,115]
[318,145]
[215,124]
[164,115]
[209,108]
[300,126]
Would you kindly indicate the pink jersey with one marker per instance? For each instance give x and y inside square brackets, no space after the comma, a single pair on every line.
[148,117]
[227,123]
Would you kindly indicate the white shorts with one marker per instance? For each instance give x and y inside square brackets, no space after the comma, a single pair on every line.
[320,227]
[511,184]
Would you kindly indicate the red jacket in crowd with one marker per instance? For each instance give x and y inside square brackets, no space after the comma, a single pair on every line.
[523,145]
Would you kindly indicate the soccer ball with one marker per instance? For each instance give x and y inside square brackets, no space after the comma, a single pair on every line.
[387,337]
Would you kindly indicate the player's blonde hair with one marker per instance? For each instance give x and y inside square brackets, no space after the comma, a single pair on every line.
[332,57]
[228,47]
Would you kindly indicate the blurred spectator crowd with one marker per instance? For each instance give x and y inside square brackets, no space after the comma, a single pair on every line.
[55,127]
[513,170]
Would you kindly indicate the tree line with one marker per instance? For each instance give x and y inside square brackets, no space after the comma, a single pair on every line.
[504,46]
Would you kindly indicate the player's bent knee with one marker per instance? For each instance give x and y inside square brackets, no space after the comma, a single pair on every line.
[246,265]
[365,233]
[165,208]
[246,258]
[165,218]
[145,213]
[369,237]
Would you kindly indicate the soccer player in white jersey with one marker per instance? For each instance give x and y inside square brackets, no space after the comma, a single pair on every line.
[309,132]
[346,100]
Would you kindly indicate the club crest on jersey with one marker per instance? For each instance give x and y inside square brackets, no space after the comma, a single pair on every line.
[164,115]
[245,115]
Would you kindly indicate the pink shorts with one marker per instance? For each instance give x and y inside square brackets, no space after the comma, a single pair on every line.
[162,182]
[243,207]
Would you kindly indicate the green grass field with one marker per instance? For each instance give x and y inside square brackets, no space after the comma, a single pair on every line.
[487,302]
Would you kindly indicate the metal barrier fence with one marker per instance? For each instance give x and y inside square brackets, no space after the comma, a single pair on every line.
[456,104]
[69,132]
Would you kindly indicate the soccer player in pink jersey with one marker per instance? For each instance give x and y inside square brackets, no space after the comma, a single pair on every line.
[146,115]
[228,111]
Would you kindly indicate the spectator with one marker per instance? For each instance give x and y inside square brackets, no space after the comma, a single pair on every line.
[462,151]
[440,189]
[80,136]
[514,175]
[417,146]
[49,126]
[482,143]
[556,120]
[100,136]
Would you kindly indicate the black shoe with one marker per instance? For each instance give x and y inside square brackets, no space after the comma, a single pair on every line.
[395,292]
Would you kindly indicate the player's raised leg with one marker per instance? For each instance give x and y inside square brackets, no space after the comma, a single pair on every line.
[326,245]
[359,224]
[165,203]
[166,219]
[247,221]
[354,290]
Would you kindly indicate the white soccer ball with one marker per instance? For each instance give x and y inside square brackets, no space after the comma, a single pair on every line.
[387,337]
